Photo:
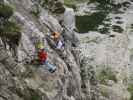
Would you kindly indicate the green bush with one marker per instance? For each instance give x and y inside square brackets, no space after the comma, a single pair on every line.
[44,3]
[72,3]
[59,8]
[35,98]
[67,2]
[34,95]
[104,30]
[105,75]
[35,10]
[102,2]
[11,31]
[8,29]
[5,11]
[130,89]
[117,29]
[35,13]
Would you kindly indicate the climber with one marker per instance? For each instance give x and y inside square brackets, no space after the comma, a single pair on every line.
[55,36]
[60,44]
[57,39]
[42,54]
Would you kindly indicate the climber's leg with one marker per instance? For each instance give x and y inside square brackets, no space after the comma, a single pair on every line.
[51,67]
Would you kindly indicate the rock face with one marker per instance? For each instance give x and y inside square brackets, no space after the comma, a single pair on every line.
[93,66]
[22,81]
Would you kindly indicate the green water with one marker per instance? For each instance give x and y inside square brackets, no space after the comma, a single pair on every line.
[89,22]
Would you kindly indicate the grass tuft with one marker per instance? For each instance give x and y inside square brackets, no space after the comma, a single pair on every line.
[105,75]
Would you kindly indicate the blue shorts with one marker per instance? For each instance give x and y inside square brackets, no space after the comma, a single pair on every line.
[49,66]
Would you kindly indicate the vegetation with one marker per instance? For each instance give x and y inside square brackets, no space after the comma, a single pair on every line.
[130,89]
[105,75]
[101,1]
[89,22]
[126,4]
[119,22]
[117,29]
[72,2]
[59,8]
[43,3]
[84,70]
[8,29]
[103,4]
[104,92]
[5,11]
[35,13]
[34,95]
[35,10]
[104,30]
[89,40]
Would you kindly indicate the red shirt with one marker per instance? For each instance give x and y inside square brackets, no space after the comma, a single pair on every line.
[43,56]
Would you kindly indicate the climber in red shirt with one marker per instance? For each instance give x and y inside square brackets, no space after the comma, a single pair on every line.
[42,56]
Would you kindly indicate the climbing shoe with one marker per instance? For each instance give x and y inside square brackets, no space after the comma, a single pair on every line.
[52,70]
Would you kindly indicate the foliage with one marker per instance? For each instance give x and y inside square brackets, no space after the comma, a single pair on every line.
[69,2]
[11,31]
[89,40]
[117,29]
[34,95]
[101,1]
[43,3]
[104,92]
[5,11]
[130,89]
[83,69]
[104,30]
[105,75]
[35,13]
[72,3]
[8,29]
[35,10]
[59,8]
